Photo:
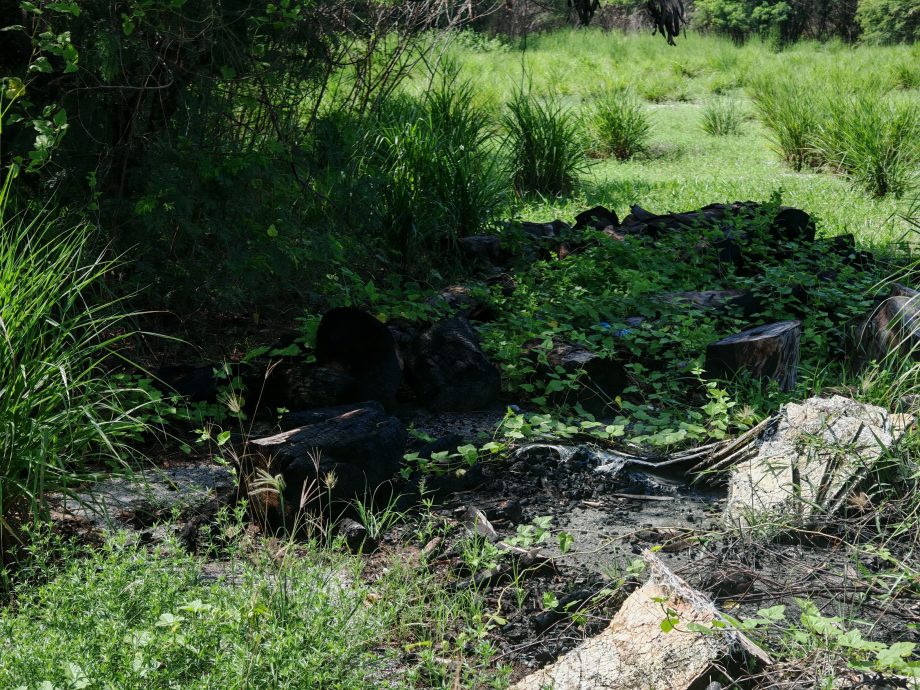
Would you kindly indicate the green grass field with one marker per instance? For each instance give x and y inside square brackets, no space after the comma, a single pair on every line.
[685,167]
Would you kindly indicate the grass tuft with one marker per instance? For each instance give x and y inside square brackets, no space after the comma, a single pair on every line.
[59,413]
[435,178]
[621,127]
[723,117]
[790,117]
[874,142]
[544,145]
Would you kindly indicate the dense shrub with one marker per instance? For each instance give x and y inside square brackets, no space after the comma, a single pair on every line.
[434,179]
[890,21]
[544,144]
[620,124]
[188,125]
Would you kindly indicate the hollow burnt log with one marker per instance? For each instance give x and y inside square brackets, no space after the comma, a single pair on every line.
[597,218]
[788,225]
[767,352]
[721,301]
[891,326]
[362,449]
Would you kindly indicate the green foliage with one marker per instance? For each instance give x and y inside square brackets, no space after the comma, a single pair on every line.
[816,634]
[589,300]
[875,142]
[544,145]
[723,117]
[788,111]
[59,414]
[889,21]
[742,18]
[131,617]
[621,126]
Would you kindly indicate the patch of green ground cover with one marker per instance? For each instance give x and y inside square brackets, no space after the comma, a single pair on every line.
[693,169]
[300,616]
[687,168]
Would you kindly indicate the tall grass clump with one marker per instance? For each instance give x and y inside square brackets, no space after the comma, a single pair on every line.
[789,113]
[436,178]
[620,125]
[907,75]
[59,414]
[544,144]
[723,117]
[875,142]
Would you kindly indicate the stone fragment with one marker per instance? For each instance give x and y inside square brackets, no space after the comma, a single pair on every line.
[649,644]
[152,496]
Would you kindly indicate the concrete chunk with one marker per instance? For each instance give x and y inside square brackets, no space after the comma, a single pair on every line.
[820,450]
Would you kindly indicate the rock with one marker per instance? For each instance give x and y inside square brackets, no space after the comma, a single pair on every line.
[486,249]
[449,371]
[603,378]
[807,468]
[639,652]
[360,345]
[355,536]
[597,218]
[891,327]
[338,460]
[723,301]
[767,352]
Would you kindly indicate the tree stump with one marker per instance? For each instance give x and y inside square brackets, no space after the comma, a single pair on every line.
[893,325]
[603,378]
[448,370]
[360,345]
[336,460]
[767,352]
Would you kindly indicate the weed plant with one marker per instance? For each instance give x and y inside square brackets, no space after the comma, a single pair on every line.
[545,145]
[723,117]
[289,615]
[621,126]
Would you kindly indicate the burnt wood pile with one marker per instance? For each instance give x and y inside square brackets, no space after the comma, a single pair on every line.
[346,405]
